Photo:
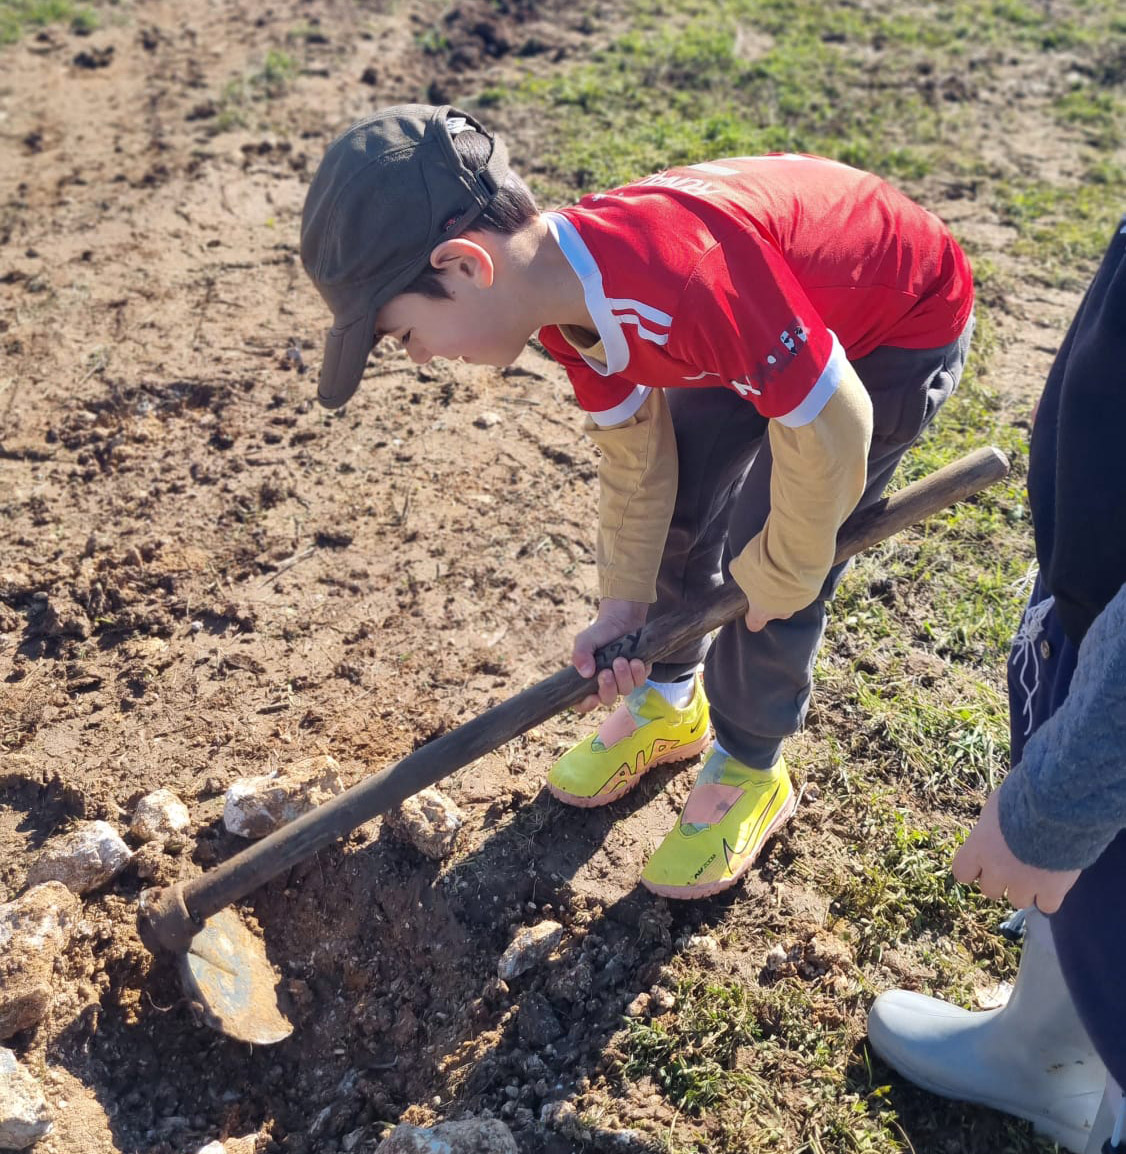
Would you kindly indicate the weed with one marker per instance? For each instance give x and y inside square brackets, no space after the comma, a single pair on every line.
[275,77]
[693,1058]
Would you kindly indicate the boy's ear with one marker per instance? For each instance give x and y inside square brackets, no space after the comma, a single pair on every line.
[465,257]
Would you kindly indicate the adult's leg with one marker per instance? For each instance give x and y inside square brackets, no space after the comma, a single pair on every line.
[1032,1058]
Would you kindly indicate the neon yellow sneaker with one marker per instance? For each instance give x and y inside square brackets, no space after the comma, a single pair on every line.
[644,731]
[730,813]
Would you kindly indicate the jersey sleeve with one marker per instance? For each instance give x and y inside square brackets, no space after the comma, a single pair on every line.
[817,477]
[608,398]
[745,319]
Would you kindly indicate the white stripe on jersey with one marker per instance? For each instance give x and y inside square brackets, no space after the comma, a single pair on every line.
[624,410]
[642,331]
[625,305]
[818,397]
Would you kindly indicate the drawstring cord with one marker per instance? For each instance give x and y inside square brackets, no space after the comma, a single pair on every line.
[1031,626]
[1113,1143]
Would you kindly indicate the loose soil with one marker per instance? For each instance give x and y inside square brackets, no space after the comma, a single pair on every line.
[206,577]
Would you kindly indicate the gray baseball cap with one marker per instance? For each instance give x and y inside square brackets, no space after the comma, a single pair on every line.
[388,190]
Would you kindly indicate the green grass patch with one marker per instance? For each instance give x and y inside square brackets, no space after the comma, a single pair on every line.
[269,82]
[692,1058]
[1065,227]
[944,747]
[903,888]
[18,16]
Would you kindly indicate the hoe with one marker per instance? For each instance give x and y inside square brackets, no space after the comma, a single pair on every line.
[223,965]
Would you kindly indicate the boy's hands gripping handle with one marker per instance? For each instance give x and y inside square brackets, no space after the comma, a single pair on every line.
[952,483]
[171,917]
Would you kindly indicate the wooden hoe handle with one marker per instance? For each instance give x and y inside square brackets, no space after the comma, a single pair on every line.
[171,917]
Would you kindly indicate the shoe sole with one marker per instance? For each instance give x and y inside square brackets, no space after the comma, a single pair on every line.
[708,889]
[681,753]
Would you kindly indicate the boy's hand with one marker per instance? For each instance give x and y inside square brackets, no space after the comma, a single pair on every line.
[757,618]
[985,858]
[615,619]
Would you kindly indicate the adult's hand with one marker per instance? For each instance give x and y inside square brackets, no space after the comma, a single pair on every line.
[985,858]
[615,619]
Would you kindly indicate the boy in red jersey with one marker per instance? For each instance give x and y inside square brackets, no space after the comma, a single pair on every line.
[756,342]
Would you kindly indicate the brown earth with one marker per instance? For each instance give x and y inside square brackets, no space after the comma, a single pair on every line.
[206,577]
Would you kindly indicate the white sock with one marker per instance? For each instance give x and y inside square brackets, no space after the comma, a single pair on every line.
[677,693]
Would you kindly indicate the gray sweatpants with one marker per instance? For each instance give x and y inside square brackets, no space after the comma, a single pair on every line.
[758,684]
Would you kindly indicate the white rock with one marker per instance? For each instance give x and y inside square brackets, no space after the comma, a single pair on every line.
[256,806]
[488,419]
[90,855]
[662,1000]
[24,1117]
[158,815]
[776,958]
[529,948]
[248,1144]
[475,1136]
[429,821]
[33,930]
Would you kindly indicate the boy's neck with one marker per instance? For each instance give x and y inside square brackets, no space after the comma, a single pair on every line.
[554,292]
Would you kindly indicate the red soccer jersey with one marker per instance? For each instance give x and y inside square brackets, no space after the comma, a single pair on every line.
[762,274]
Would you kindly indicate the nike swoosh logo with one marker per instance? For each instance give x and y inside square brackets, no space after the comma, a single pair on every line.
[727,849]
[699,722]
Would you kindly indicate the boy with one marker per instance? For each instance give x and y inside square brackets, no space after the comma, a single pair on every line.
[756,342]
[1054,835]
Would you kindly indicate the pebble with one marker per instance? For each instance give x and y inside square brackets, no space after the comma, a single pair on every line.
[488,420]
[430,821]
[776,958]
[90,855]
[639,1005]
[537,1025]
[529,948]
[158,815]
[24,1116]
[247,1144]
[474,1136]
[34,929]
[661,1000]
[256,806]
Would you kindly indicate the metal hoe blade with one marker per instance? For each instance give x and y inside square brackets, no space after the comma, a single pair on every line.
[226,971]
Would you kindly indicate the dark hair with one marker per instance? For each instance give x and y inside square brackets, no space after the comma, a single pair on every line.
[508,212]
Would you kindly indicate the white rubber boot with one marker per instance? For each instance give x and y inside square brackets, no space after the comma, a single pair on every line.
[1110,1123]
[1031,1058]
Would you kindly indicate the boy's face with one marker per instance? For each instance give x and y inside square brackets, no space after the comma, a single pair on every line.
[475,323]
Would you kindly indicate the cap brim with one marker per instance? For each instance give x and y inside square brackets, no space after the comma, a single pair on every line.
[345,358]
